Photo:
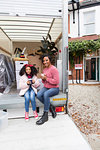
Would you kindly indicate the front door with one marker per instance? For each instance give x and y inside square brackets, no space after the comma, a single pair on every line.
[90,72]
[93,68]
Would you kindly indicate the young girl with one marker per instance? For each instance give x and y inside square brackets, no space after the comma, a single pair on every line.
[28,84]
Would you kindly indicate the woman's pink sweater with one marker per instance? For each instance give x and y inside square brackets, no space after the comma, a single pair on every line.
[52,75]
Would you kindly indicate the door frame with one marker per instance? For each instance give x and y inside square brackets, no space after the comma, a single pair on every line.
[84,64]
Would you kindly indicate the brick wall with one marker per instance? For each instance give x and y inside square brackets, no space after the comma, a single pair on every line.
[74,70]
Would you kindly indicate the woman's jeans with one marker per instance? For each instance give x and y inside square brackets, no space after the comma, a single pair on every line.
[30,96]
[44,96]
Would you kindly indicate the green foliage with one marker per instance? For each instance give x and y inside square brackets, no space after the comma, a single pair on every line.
[81,48]
[48,47]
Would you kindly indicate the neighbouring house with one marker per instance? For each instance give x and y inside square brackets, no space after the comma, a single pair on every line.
[84,25]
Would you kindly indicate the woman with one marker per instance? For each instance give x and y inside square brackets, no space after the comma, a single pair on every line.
[50,78]
[28,84]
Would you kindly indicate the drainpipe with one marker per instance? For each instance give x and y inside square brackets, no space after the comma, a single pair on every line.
[78,6]
[79,70]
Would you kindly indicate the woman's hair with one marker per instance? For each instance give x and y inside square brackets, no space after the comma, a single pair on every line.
[46,55]
[33,70]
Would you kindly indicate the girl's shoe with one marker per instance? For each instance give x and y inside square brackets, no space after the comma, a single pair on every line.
[26,116]
[35,114]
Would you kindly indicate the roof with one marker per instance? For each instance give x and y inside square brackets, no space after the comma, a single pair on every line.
[87,2]
[89,37]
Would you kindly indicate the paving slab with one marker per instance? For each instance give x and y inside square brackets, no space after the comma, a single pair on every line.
[56,134]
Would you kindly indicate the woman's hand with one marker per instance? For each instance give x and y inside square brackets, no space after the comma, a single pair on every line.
[43,77]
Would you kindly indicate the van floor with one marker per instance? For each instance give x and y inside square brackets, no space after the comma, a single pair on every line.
[56,134]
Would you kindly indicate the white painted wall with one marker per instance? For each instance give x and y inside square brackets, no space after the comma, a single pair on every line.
[73,26]
[97,21]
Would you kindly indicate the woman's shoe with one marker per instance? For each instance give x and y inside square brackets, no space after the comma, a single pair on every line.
[52,109]
[43,119]
[35,114]
[26,116]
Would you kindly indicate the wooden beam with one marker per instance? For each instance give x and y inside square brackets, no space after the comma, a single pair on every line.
[4,50]
[59,37]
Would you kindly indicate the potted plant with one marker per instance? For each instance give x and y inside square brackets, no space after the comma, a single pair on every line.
[48,47]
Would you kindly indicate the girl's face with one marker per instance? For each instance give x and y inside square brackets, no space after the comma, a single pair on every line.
[46,62]
[28,70]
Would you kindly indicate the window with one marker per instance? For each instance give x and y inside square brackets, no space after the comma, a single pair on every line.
[89,22]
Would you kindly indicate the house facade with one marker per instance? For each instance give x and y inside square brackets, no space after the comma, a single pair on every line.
[86,26]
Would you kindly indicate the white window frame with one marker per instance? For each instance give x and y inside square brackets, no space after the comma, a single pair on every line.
[89,23]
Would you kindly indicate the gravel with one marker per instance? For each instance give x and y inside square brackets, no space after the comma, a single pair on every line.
[84,109]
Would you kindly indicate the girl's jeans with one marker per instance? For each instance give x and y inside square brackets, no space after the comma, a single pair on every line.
[30,96]
[44,96]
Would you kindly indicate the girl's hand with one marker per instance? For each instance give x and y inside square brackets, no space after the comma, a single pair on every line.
[28,82]
[33,81]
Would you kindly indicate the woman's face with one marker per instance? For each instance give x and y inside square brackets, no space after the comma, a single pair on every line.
[28,70]
[46,62]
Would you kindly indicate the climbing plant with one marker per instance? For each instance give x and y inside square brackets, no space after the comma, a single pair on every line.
[81,48]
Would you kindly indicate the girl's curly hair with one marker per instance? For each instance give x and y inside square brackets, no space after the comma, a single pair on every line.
[33,70]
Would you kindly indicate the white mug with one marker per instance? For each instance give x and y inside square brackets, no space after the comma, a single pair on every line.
[42,74]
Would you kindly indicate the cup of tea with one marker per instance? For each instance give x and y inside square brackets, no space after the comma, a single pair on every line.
[42,74]
[30,79]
